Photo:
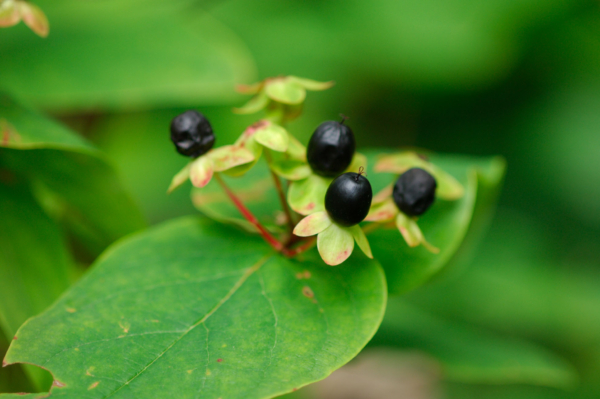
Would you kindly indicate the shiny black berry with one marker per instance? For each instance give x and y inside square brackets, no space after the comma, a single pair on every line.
[192,134]
[331,148]
[414,191]
[348,199]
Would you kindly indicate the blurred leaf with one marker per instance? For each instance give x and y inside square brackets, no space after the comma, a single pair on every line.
[420,44]
[444,226]
[13,378]
[35,267]
[222,315]
[124,54]
[72,178]
[472,355]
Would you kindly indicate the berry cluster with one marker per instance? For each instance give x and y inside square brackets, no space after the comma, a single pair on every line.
[327,181]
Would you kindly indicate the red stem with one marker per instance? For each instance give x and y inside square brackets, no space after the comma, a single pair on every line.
[290,253]
[278,246]
[280,192]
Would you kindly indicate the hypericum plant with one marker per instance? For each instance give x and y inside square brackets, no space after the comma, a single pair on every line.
[193,308]
[333,202]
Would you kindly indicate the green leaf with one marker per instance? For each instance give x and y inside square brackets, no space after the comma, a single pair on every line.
[72,178]
[472,355]
[192,307]
[444,226]
[35,267]
[13,378]
[111,54]
[308,195]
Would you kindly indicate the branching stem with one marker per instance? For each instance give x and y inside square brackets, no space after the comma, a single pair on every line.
[249,216]
[280,193]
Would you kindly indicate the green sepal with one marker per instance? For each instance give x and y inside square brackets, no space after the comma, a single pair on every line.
[9,14]
[256,103]
[412,233]
[335,244]
[308,195]
[181,177]
[34,17]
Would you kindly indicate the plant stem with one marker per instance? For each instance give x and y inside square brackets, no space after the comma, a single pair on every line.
[280,192]
[290,253]
[278,246]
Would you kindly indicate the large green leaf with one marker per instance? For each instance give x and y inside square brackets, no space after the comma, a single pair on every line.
[72,178]
[195,308]
[445,224]
[124,53]
[35,267]
[472,355]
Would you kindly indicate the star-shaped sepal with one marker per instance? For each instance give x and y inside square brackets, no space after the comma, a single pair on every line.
[334,242]
[271,93]
[384,210]
[201,170]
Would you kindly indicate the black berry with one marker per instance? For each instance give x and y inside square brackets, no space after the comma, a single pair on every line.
[192,134]
[348,199]
[331,148]
[414,191]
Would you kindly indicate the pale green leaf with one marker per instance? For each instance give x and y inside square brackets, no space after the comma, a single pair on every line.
[194,308]
[201,171]
[181,177]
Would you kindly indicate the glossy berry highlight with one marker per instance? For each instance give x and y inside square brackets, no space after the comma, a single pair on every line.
[192,134]
[348,199]
[331,148]
[414,191]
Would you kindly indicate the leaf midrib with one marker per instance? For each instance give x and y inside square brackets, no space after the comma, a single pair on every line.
[251,270]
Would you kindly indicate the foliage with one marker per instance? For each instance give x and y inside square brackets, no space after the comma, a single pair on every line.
[252,318]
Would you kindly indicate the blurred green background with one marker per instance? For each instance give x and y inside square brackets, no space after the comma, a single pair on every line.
[519,78]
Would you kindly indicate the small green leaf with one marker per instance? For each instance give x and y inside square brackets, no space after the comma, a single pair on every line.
[248,141]
[312,224]
[291,164]
[285,90]
[273,136]
[195,308]
[335,244]
[308,196]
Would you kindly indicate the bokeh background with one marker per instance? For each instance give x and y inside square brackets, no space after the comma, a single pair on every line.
[518,78]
